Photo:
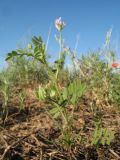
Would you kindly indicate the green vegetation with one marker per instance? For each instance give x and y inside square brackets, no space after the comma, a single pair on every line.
[91,86]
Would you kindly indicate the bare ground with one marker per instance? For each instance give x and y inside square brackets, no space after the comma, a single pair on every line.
[32,135]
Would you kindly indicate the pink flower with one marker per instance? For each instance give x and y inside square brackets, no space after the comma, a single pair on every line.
[59,24]
[115,65]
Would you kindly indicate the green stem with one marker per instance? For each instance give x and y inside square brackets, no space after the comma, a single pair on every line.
[60,44]
[57,72]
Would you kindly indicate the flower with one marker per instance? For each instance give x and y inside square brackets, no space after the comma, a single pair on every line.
[29,46]
[115,65]
[59,24]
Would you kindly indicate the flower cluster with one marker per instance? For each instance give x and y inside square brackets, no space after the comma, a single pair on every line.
[59,24]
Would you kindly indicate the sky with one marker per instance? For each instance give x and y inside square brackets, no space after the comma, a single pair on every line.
[87,19]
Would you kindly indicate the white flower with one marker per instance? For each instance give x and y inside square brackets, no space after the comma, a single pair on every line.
[59,24]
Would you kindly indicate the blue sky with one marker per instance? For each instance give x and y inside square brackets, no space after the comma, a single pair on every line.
[90,19]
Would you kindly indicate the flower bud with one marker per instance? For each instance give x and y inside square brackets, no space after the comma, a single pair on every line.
[29,46]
